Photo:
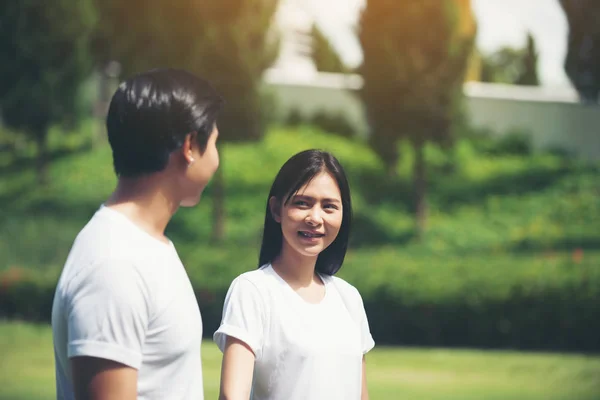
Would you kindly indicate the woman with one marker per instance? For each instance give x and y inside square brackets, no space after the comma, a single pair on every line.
[290,329]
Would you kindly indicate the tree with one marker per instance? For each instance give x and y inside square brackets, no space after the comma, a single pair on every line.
[44,48]
[474,67]
[123,42]
[238,46]
[512,66]
[127,32]
[415,57]
[325,57]
[582,63]
[529,75]
[229,42]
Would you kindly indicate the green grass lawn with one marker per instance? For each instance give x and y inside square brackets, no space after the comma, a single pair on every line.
[393,373]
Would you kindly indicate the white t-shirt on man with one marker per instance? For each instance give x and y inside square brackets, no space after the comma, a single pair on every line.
[125,296]
[303,350]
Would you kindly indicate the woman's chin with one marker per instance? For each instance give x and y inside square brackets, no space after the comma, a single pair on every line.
[310,250]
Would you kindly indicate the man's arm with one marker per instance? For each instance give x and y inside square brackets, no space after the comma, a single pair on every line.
[107,321]
[100,379]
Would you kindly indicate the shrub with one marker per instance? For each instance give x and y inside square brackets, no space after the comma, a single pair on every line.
[536,302]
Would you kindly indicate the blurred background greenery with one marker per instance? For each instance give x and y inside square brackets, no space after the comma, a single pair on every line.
[464,237]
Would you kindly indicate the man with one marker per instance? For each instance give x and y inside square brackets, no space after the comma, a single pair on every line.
[125,321]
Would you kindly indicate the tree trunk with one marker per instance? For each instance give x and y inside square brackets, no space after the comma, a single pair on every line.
[392,170]
[420,187]
[392,164]
[42,157]
[218,228]
[100,109]
[108,72]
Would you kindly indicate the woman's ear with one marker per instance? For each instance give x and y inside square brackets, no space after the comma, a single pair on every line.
[275,208]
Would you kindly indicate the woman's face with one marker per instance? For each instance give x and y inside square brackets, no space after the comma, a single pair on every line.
[312,218]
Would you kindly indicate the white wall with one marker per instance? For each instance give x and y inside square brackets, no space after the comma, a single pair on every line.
[334,93]
[553,117]
[573,127]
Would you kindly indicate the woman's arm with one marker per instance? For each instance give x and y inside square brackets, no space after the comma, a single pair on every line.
[236,370]
[365,391]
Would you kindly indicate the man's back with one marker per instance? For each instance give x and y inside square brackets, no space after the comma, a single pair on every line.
[124,296]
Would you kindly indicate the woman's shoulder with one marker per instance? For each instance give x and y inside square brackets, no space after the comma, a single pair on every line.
[345,288]
[258,277]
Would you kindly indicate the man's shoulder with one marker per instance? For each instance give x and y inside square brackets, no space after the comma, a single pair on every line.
[106,237]
[101,250]
[101,225]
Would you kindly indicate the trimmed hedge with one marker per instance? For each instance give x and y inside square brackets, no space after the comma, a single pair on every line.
[558,309]
[548,319]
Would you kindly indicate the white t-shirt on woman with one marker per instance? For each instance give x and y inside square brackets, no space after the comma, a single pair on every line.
[303,350]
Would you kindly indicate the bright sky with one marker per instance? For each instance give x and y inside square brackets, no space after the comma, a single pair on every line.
[500,22]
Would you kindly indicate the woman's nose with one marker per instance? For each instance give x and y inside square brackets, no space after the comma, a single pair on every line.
[314,216]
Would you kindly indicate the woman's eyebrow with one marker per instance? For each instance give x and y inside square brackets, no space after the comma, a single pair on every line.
[306,197]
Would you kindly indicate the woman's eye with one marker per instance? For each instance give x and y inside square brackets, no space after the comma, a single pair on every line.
[331,206]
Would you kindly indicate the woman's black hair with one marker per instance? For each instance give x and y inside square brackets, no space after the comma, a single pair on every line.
[292,176]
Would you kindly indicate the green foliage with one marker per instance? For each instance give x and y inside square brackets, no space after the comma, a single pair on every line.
[530,75]
[546,301]
[416,55]
[511,259]
[512,142]
[512,66]
[127,32]
[229,42]
[44,47]
[237,46]
[324,55]
[335,123]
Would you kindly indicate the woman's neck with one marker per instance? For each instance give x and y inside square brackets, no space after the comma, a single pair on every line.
[297,270]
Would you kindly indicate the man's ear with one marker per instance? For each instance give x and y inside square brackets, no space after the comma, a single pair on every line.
[275,208]
[187,149]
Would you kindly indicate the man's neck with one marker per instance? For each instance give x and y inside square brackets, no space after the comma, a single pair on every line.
[147,202]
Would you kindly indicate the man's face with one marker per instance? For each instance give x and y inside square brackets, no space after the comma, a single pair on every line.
[200,171]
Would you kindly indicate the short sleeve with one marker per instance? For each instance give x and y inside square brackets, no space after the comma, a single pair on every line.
[243,316]
[108,314]
[367,339]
